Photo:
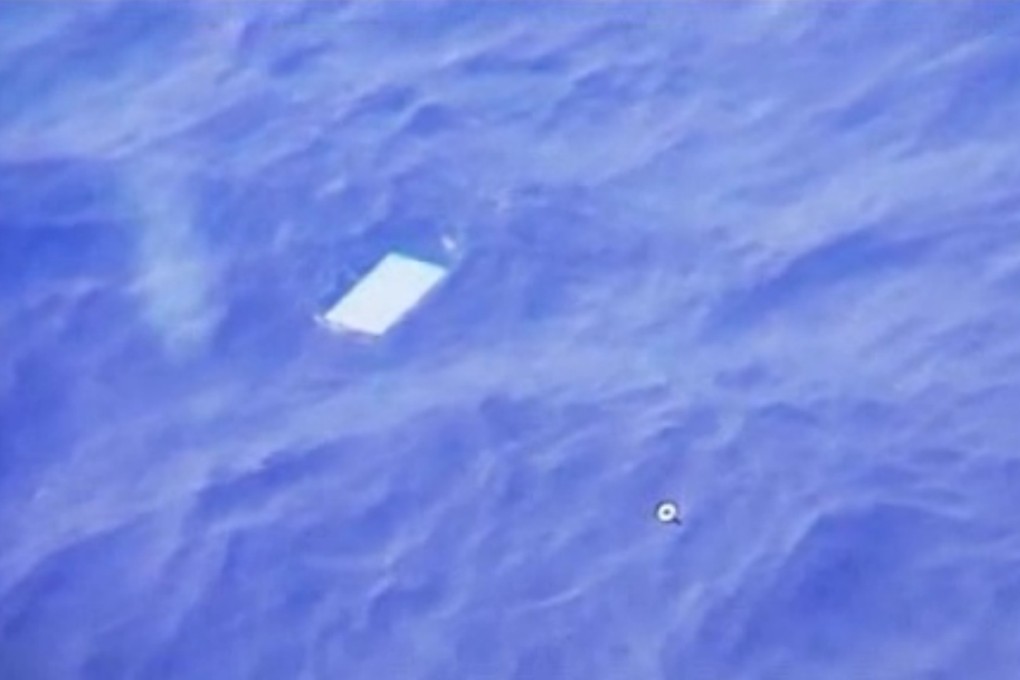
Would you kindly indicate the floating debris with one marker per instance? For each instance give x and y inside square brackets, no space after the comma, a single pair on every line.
[395,286]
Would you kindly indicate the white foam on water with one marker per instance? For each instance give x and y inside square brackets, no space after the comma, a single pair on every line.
[175,272]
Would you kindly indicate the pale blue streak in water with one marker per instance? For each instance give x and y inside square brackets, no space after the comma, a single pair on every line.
[761,258]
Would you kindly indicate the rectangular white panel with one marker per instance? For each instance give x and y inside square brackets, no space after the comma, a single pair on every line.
[385,295]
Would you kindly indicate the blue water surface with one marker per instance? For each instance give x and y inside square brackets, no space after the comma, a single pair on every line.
[759,258]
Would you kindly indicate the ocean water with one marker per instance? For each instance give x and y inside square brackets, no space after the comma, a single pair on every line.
[762,259]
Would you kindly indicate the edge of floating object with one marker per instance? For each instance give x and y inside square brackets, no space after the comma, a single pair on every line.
[385,296]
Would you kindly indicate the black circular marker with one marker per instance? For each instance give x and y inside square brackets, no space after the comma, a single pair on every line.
[667,512]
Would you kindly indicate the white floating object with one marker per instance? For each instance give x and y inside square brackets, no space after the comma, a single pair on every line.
[387,293]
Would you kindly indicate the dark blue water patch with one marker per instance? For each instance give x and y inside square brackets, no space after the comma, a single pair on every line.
[938,105]
[853,26]
[67,64]
[57,190]
[242,125]
[24,22]
[982,102]
[65,380]
[233,608]
[686,431]
[297,61]
[209,640]
[362,535]
[478,647]
[611,94]
[432,119]
[243,222]
[981,21]
[857,256]
[885,106]
[138,375]
[423,206]
[870,414]
[503,61]
[89,585]
[281,475]
[347,215]
[94,326]
[116,658]
[60,224]
[292,40]
[542,661]
[876,564]
[517,483]
[40,419]
[383,106]
[442,453]
[37,256]
[263,329]
[108,363]
[421,24]
[399,604]
[977,235]
[510,419]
